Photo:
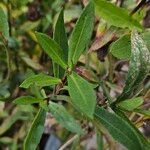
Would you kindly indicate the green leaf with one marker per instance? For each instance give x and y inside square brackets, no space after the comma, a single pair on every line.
[146,38]
[64,118]
[81,34]
[37,128]
[60,35]
[52,49]
[116,16]
[6,140]
[144,112]
[144,141]
[4,27]
[40,80]
[10,120]
[121,48]
[30,62]
[119,129]
[131,104]
[29,25]
[61,38]
[138,69]
[99,137]
[25,100]
[82,94]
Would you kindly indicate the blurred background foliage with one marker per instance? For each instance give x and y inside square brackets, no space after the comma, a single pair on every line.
[21,57]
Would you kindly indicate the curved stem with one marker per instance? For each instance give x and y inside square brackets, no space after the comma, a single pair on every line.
[68,142]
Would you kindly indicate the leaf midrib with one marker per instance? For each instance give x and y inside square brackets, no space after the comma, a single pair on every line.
[80,91]
[79,39]
[56,55]
[131,141]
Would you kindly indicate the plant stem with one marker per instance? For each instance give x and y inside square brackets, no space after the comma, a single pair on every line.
[68,142]
[8,64]
[9,17]
[106,92]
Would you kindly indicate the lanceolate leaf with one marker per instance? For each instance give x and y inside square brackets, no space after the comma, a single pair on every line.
[34,135]
[116,16]
[60,35]
[137,132]
[122,47]
[61,38]
[40,80]
[119,129]
[64,118]
[138,69]
[4,27]
[81,34]
[52,49]
[131,104]
[25,100]
[82,94]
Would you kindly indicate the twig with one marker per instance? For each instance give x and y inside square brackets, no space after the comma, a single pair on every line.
[141,4]
[68,142]
[8,63]
[106,92]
